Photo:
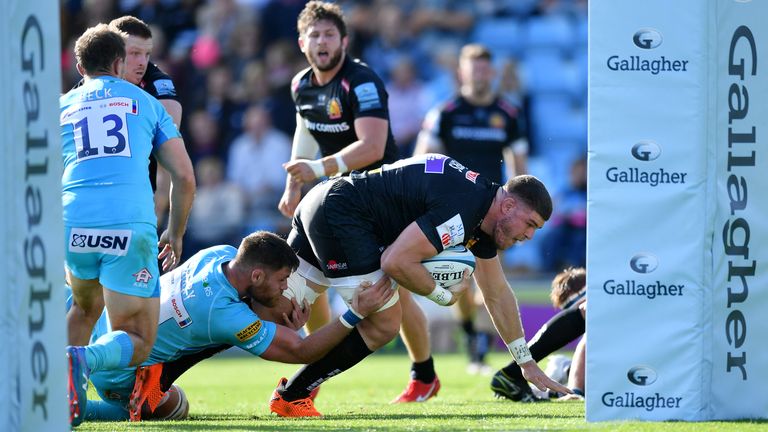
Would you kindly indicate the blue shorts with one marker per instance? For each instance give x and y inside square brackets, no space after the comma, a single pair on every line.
[123,257]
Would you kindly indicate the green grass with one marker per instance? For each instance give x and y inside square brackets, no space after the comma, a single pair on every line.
[231,394]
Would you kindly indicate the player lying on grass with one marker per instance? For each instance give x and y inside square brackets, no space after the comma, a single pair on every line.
[568,294]
[206,303]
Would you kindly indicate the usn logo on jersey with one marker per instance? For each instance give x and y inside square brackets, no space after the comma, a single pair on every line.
[112,242]
[451,232]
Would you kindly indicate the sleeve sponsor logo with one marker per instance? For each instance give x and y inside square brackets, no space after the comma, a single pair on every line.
[165,87]
[451,232]
[471,176]
[435,164]
[368,96]
[249,332]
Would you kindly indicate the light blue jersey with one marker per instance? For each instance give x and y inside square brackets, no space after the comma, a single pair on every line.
[199,309]
[108,129]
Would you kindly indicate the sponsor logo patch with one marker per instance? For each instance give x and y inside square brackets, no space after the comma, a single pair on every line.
[451,232]
[249,332]
[367,96]
[142,276]
[112,242]
[333,265]
[435,164]
[165,87]
[471,176]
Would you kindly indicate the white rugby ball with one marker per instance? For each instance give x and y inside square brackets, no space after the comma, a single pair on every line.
[447,267]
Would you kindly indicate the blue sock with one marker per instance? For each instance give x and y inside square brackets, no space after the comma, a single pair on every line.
[97,410]
[111,351]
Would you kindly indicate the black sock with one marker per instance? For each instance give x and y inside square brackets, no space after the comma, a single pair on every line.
[483,345]
[470,336]
[173,370]
[343,356]
[423,371]
[562,328]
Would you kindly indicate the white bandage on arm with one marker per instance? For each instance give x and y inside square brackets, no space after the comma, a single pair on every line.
[519,350]
[304,144]
[342,167]
[440,295]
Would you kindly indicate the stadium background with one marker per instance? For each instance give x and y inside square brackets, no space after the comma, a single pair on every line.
[232,62]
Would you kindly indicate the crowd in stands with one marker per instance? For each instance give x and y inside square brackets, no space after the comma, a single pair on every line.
[232,62]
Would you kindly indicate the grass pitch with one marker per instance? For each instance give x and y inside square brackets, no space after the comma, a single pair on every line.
[231,394]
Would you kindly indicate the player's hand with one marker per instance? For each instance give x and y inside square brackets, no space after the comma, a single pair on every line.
[537,377]
[457,290]
[290,199]
[170,250]
[299,315]
[369,297]
[299,170]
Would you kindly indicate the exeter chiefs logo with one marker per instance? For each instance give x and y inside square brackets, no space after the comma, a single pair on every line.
[334,109]
[497,121]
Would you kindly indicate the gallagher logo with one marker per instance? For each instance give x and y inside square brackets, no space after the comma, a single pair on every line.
[642,376]
[643,263]
[647,38]
[646,151]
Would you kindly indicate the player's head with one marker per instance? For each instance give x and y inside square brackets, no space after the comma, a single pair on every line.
[100,51]
[322,35]
[476,70]
[138,46]
[520,207]
[568,287]
[269,261]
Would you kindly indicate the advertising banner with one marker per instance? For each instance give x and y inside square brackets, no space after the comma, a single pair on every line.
[33,366]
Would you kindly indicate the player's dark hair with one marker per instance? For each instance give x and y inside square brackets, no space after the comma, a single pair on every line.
[132,26]
[316,11]
[98,48]
[566,285]
[475,51]
[263,248]
[532,192]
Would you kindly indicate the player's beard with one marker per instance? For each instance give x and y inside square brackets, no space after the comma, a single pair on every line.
[333,61]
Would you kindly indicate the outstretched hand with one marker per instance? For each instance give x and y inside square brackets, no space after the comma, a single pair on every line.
[369,297]
[300,170]
[537,377]
[170,251]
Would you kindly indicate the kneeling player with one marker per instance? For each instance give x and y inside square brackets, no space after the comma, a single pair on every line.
[204,304]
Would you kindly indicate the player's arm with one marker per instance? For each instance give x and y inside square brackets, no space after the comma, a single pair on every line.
[372,135]
[304,148]
[428,140]
[173,108]
[288,347]
[502,307]
[172,155]
[402,262]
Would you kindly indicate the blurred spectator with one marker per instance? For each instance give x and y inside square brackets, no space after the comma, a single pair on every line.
[407,105]
[278,20]
[565,242]
[203,137]
[444,82]
[218,100]
[392,43]
[242,48]
[434,21]
[218,210]
[219,18]
[256,166]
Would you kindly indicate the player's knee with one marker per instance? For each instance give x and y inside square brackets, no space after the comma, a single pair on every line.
[380,328]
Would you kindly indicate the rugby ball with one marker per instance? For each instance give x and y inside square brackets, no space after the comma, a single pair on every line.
[173,406]
[447,267]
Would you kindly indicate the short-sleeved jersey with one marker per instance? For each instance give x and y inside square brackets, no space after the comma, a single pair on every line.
[199,309]
[446,199]
[108,129]
[329,111]
[158,83]
[476,135]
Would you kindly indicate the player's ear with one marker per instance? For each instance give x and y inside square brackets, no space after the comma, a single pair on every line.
[258,276]
[508,204]
[80,70]
[344,42]
[301,43]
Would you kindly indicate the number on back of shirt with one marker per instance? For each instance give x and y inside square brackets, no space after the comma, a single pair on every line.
[100,127]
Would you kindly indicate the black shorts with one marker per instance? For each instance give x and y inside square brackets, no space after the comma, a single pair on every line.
[334,232]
